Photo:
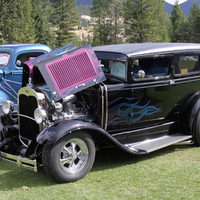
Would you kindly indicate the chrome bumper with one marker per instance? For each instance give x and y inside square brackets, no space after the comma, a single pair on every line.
[21,162]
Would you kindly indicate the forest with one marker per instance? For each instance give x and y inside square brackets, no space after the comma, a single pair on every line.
[59,22]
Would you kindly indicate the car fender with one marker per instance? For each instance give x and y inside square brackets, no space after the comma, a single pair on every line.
[3,96]
[193,114]
[54,133]
[191,107]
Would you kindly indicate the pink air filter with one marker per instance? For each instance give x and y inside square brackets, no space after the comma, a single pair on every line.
[71,72]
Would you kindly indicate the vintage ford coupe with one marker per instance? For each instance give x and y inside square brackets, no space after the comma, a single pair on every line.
[12,57]
[137,97]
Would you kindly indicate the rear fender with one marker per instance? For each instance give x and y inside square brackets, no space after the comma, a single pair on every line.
[194,112]
[191,107]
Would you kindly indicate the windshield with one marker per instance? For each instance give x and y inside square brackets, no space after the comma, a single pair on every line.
[4,58]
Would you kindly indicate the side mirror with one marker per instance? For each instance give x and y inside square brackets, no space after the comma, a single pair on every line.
[141,74]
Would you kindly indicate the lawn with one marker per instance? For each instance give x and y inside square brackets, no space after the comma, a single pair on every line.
[170,173]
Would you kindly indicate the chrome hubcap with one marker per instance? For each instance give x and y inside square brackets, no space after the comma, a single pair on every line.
[73,156]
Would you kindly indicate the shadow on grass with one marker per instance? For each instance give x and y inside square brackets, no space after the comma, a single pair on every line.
[112,158]
[12,177]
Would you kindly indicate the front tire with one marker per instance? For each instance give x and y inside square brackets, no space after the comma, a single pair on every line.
[69,159]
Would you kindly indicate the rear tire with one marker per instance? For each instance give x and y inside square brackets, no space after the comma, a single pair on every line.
[69,159]
[196,130]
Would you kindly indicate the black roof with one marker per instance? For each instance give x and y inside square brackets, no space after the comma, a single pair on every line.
[140,49]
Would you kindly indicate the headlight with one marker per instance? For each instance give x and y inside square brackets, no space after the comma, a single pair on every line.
[39,115]
[7,107]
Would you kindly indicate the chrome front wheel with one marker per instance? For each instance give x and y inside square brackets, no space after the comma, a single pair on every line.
[71,158]
[74,156]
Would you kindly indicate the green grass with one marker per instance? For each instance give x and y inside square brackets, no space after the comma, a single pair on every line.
[171,173]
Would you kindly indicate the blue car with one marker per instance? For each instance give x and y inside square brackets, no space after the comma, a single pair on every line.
[12,57]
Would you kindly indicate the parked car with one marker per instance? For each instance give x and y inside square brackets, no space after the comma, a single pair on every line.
[12,57]
[136,97]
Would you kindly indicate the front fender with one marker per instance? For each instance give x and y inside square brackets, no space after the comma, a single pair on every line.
[3,96]
[54,133]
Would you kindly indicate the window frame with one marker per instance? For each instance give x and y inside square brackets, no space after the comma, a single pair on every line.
[189,73]
[156,77]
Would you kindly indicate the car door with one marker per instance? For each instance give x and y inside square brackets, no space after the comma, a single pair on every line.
[151,99]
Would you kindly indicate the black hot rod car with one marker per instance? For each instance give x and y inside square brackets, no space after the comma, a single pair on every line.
[137,97]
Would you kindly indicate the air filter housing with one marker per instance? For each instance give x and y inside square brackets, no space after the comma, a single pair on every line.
[70,72]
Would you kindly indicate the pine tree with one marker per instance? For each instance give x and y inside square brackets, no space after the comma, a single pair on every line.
[16,24]
[178,23]
[65,20]
[145,21]
[41,15]
[107,25]
[193,24]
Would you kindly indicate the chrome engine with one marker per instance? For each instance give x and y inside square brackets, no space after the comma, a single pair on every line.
[68,109]
[36,111]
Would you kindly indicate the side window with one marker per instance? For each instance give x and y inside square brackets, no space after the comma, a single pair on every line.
[114,68]
[118,69]
[186,64]
[26,56]
[152,66]
[4,59]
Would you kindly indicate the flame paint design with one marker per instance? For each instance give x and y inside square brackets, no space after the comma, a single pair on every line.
[128,113]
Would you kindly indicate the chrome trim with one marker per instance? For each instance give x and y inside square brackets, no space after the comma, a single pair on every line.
[12,81]
[19,161]
[106,106]
[20,115]
[28,91]
[142,129]
[9,93]
[102,107]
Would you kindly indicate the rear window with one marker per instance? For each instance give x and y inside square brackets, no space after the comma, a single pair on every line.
[186,64]
[4,59]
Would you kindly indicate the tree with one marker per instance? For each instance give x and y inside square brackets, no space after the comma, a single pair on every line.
[16,23]
[193,24]
[65,20]
[107,25]
[145,21]
[43,30]
[178,24]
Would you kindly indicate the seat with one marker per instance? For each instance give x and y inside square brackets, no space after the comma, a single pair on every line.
[160,66]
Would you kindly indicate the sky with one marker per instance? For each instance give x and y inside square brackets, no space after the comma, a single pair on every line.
[174,1]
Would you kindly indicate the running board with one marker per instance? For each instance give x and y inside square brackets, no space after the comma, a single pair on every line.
[158,143]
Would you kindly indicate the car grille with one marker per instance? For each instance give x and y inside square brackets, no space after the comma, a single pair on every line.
[27,105]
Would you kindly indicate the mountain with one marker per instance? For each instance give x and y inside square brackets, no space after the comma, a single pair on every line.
[184,4]
[83,2]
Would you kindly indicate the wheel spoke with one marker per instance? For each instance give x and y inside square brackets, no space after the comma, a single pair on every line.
[79,154]
[65,150]
[73,145]
[64,161]
[74,155]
